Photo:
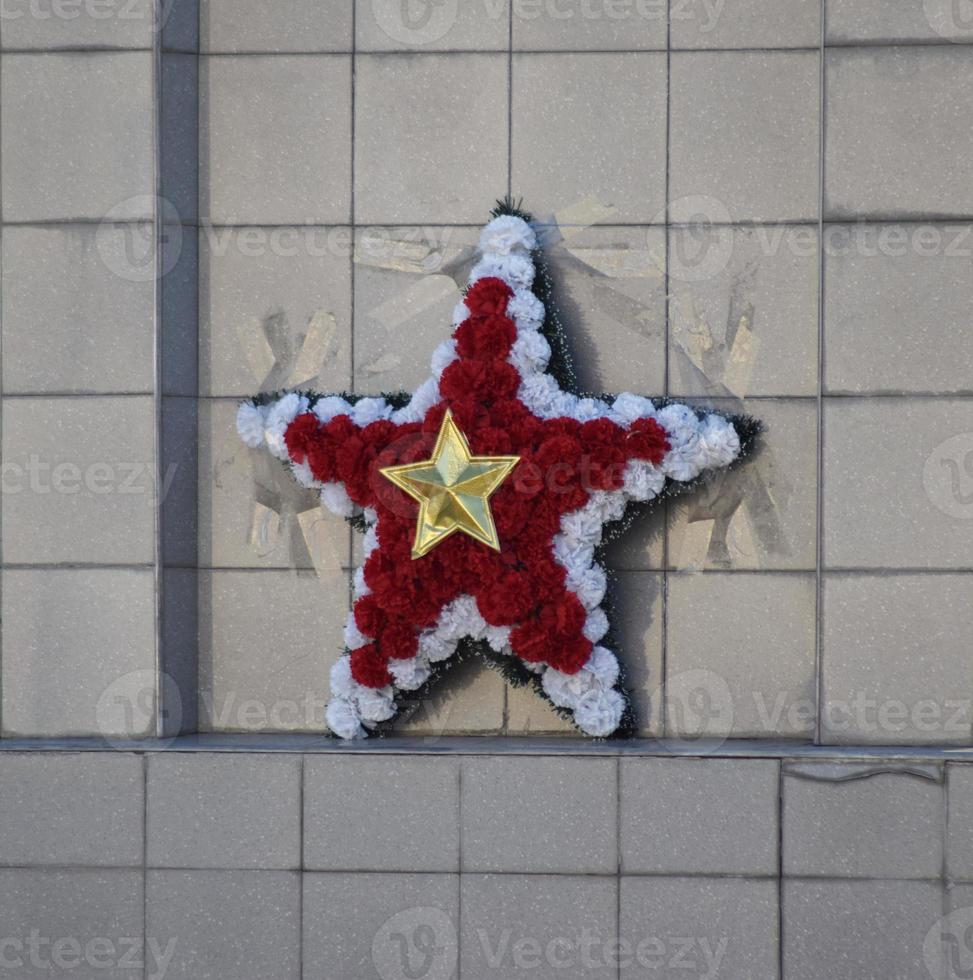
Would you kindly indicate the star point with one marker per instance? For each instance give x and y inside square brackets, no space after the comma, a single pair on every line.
[453,489]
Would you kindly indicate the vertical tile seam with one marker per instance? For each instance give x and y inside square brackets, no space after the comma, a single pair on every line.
[618,861]
[159,239]
[664,605]
[780,862]
[300,864]
[198,285]
[145,862]
[2,236]
[459,870]
[819,429]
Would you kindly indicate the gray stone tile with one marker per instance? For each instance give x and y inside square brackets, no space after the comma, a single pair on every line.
[77,317]
[886,107]
[469,700]
[180,470]
[385,25]
[447,119]
[699,927]
[762,513]
[179,627]
[180,25]
[746,24]
[99,105]
[254,514]
[79,480]
[587,141]
[212,810]
[723,106]
[267,642]
[756,635]
[407,283]
[910,455]
[390,813]
[701,816]
[42,795]
[275,309]
[227,925]
[78,652]
[86,923]
[179,137]
[355,925]
[743,310]
[869,930]
[49,26]
[251,25]
[861,822]
[549,925]
[959,841]
[579,27]
[880,22]
[895,299]
[516,816]
[895,659]
[609,287]
[284,156]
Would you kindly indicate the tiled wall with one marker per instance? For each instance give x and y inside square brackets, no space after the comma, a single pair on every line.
[750,204]
[381,866]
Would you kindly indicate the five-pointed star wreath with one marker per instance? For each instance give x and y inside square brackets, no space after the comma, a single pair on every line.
[484,497]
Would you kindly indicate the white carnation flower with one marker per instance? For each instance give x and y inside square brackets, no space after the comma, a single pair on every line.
[426,395]
[368,410]
[370,540]
[435,647]
[461,312]
[720,441]
[628,407]
[303,475]
[443,356]
[342,683]
[358,582]
[643,481]
[507,234]
[353,636]
[526,310]
[517,271]
[608,506]
[603,664]
[374,705]
[250,422]
[539,393]
[589,584]
[596,625]
[330,408]
[336,499]
[409,675]
[280,416]
[599,712]
[581,528]
[530,353]
[343,719]
[586,409]
[686,456]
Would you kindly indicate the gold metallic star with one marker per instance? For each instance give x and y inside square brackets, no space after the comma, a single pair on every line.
[453,489]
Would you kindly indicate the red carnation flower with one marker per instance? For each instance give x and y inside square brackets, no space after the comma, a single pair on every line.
[399,641]
[369,668]
[483,382]
[301,434]
[488,296]
[485,338]
[369,617]
[647,440]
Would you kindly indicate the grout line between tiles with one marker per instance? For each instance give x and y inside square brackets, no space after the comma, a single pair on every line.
[819,428]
